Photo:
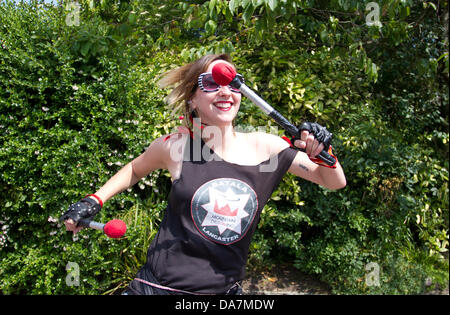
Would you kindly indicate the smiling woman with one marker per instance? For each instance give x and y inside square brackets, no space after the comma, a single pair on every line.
[185,80]
[214,204]
[216,105]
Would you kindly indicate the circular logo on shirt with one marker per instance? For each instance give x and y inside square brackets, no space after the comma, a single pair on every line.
[223,209]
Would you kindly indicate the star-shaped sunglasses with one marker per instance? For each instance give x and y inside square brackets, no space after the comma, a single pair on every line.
[207,84]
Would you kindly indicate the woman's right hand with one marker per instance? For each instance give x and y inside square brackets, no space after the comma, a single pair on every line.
[72,226]
[85,208]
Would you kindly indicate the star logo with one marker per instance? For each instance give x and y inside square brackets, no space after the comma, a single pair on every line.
[223,209]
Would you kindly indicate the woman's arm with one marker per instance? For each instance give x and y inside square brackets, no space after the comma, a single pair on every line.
[153,158]
[157,156]
[331,178]
[302,166]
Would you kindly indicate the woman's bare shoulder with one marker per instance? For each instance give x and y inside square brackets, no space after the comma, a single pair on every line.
[270,143]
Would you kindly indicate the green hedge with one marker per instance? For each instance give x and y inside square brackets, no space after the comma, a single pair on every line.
[77,103]
[69,122]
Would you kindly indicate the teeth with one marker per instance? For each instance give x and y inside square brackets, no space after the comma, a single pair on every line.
[223,105]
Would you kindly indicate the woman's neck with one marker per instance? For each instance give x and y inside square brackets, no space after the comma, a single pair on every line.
[220,138]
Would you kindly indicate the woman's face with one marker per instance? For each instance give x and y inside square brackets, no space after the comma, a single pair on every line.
[217,108]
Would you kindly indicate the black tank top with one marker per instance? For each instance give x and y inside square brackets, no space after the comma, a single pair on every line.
[213,210]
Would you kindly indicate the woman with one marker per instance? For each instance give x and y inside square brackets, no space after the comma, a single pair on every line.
[219,186]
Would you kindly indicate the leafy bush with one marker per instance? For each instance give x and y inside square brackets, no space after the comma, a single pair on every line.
[69,121]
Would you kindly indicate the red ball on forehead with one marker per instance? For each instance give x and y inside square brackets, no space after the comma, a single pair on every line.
[223,73]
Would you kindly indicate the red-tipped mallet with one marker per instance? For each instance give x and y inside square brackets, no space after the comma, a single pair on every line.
[114,229]
[224,74]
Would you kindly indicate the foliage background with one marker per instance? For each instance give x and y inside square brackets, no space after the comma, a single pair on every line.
[77,102]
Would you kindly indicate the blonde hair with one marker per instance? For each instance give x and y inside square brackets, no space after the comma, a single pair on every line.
[184,80]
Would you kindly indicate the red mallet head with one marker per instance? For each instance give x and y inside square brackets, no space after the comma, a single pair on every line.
[115,228]
[223,73]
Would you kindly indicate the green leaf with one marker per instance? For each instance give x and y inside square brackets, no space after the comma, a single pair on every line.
[432,5]
[233,4]
[212,6]
[132,18]
[210,27]
[85,48]
[324,36]
[248,13]
[272,4]
[124,29]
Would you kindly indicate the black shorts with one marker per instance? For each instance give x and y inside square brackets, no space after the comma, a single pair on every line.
[139,288]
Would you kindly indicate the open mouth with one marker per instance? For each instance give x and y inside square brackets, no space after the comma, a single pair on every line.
[223,106]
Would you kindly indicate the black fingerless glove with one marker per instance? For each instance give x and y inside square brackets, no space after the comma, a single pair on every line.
[326,157]
[85,208]
[320,133]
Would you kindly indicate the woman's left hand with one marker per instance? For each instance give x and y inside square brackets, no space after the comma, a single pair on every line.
[314,138]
